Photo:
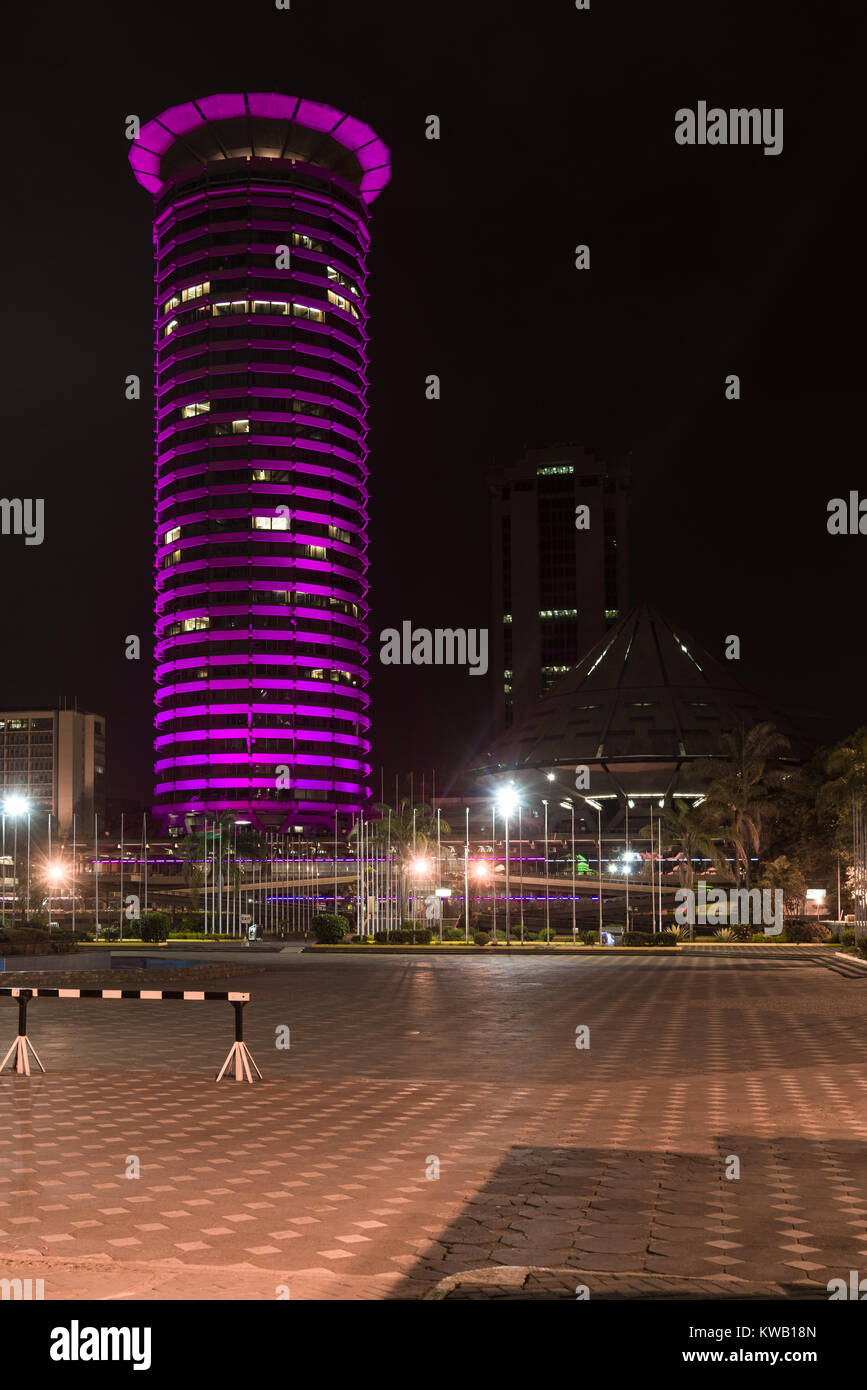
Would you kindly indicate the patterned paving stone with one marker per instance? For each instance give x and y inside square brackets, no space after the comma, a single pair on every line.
[612,1159]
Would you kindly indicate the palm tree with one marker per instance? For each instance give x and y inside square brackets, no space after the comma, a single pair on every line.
[744,778]
[846,770]
[691,829]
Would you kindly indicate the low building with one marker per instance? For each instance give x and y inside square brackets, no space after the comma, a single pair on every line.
[54,760]
[644,712]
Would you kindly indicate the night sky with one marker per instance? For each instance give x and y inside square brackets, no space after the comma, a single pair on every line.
[557,129]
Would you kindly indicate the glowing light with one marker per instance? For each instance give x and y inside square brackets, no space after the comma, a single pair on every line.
[481,869]
[16,805]
[550,776]
[55,873]
[507,800]
[420,865]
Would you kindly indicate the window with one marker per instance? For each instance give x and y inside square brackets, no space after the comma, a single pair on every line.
[196,291]
[342,303]
[171,304]
[314,552]
[200,624]
[308,311]
[552,472]
[558,613]
[271,523]
[337,534]
[270,306]
[612,613]
[240,426]
[195,408]
[171,535]
[170,328]
[226,306]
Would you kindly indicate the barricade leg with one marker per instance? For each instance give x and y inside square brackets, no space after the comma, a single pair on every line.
[22,1046]
[239,1053]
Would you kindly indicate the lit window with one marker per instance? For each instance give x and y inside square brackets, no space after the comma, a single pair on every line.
[612,612]
[271,523]
[171,535]
[551,472]
[558,612]
[507,617]
[195,624]
[307,311]
[240,426]
[196,291]
[170,328]
[195,408]
[315,552]
[225,306]
[171,304]
[337,534]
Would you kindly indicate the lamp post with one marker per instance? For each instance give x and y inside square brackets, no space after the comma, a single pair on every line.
[598,809]
[521,869]
[508,799]
[467,876]
[547,895]
[14,806]
[494,871]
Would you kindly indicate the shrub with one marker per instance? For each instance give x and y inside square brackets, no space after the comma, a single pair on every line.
[666,938]
[724,934]
[153,926]
[847,937]
[805,929]
[482,938]
[590,938]
[329,928]
[453,934]
[637,938]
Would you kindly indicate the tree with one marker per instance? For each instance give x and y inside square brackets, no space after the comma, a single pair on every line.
[743,779]
[781,874]
[691,829]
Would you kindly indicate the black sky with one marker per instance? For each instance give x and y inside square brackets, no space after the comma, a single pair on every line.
[557,128]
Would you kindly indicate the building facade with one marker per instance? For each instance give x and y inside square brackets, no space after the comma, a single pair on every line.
[560,576]
[54,760]
[261,216]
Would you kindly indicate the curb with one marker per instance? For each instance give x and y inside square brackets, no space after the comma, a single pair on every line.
[668,1285]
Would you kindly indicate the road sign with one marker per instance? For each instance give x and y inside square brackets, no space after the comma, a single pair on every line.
[246,919]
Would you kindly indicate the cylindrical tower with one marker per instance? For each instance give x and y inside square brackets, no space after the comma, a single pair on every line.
[261,236]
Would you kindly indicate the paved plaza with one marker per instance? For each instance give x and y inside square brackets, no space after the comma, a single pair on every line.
[558,1166]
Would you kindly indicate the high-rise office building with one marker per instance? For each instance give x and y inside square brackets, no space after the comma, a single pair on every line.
[261,216]
[53,760]
[559,573]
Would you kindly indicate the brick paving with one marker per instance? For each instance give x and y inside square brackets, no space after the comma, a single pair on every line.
[601,1164]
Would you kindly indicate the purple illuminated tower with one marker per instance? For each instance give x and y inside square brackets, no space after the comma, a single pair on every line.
[261,234]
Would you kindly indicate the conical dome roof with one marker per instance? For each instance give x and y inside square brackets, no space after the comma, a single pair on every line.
[644,699]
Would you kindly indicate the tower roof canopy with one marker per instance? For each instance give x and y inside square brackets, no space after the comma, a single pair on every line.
[263,125]
[646,694]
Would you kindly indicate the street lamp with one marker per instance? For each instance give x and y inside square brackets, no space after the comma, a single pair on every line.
[14,806]
[507,801]
[597,807]
[547,894]
[570,807]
